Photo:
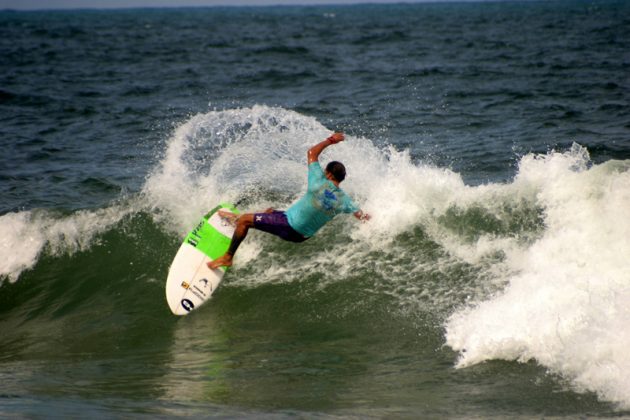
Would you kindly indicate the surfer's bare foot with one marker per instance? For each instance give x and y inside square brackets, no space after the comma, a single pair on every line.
[229,216]
[224,261]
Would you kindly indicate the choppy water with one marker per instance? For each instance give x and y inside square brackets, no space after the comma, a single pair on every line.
[490,142]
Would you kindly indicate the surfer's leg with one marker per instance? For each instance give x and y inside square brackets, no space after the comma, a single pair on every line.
[243,223]
[276,223]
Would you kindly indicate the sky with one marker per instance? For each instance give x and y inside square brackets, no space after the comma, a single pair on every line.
[107,4]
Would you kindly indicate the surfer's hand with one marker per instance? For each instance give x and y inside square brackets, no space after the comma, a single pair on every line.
[364,217]
[336,138]
[269,210]
[313,152]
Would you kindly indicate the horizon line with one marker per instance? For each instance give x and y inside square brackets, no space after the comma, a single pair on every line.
[231,4]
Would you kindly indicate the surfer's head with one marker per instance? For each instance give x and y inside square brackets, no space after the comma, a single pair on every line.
[336,170]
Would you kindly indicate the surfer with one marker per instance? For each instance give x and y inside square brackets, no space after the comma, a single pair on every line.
[323,201]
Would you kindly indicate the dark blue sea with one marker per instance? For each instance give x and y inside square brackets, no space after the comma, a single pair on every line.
[490,142]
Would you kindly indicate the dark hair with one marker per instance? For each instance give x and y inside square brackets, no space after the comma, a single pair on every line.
[337,170]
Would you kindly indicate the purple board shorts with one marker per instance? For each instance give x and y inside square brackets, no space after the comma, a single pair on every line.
[277,224]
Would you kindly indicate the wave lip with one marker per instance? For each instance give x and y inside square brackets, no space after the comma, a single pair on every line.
[566,303]
[26,234]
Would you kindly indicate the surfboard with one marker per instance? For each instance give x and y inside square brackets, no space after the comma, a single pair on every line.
[190,282]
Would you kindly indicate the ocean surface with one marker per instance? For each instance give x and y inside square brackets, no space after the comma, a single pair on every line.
[489,141]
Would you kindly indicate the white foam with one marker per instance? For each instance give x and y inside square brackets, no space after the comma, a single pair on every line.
[24,235]
[20,244]
[566,302]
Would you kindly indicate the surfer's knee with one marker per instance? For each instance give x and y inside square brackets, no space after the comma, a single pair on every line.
[245,220]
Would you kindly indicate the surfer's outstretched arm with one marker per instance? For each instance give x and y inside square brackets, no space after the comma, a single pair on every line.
[315,151]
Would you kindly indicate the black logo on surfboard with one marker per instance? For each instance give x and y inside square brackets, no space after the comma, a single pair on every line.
[188,305]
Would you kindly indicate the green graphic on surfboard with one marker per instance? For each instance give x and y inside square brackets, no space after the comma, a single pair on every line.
[190,282]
